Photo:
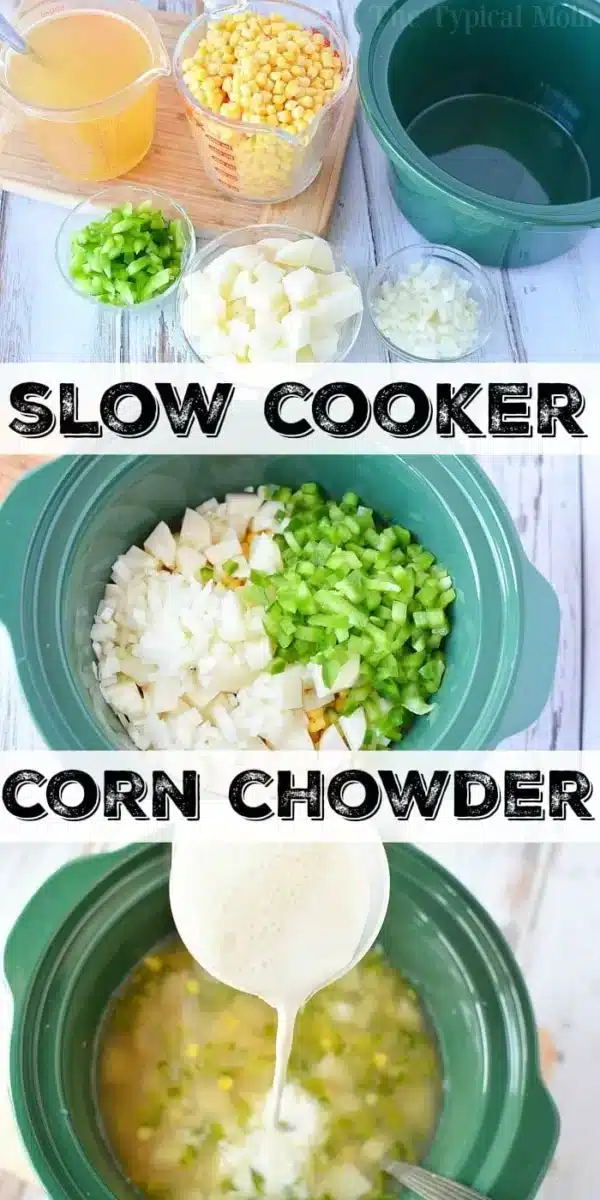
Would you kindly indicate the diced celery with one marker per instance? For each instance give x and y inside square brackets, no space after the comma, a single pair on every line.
[131,255]
[351,585]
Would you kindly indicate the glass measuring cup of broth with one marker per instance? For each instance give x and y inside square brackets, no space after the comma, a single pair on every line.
[262,158]
[88,91]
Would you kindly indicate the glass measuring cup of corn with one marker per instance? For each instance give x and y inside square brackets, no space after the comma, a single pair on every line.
[263,85]
[88,92]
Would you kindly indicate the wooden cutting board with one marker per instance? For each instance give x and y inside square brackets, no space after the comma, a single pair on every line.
[174,166]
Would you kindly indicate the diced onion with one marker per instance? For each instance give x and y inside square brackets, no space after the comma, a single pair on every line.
[428,312]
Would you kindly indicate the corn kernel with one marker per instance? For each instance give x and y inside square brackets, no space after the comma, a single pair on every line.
[225,1083]
[259,69]
[153,963]
[193,987]
[192,1050]
[380,1061]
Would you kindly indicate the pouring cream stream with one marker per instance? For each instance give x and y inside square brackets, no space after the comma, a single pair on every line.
[279,921]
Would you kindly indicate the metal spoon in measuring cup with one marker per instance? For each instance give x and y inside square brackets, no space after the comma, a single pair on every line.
[13,38]
[429,1186]
[9,34]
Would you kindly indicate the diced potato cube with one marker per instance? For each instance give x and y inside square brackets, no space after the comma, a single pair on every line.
[242,282]
[297,329]
[189,561]
[230,547]
[195,530]
[164,695]
[125,698]
[301,285]
[265,554]
[161,544]
[338,306]
[307,252]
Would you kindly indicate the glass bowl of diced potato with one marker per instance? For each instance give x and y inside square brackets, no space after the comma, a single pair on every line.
[269,294]
[262,85]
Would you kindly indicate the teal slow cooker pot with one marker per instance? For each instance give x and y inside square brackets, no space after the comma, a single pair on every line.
[91,923]
[489,117]
[63,526]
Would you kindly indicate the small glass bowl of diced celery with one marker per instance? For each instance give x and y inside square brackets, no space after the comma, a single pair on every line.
[126,247]
[269,294]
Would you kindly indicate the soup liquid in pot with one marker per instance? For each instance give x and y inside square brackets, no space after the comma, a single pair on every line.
[185,1065]
[84,58]
[503,147]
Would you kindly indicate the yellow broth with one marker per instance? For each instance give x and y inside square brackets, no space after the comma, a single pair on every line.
[81,59]
[185,1062]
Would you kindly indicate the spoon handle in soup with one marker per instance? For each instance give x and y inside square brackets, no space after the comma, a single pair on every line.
[429,1186]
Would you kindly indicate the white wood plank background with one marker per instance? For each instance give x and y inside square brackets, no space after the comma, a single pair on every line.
[547,899]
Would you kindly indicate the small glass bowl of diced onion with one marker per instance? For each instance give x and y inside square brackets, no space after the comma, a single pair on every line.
[332,334]
[431,303]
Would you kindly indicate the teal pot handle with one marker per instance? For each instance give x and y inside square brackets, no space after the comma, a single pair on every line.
[539,653]
[534,1146]
[47,910]
[19,515]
